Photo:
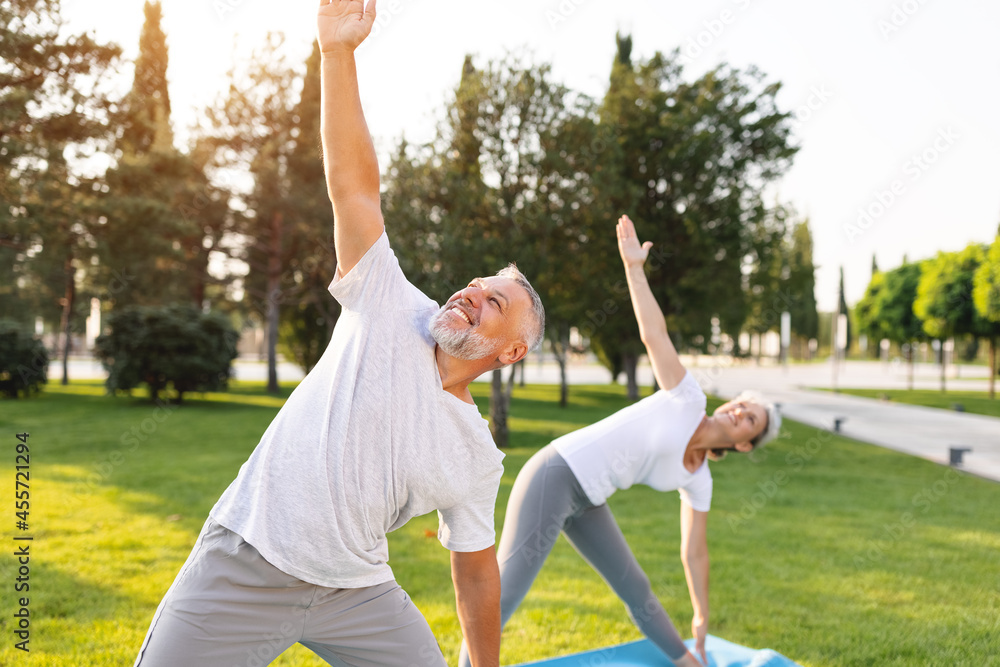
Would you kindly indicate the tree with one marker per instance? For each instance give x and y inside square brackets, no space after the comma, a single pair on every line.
[147,105]
[944,297]
[766,271]
[172,347]
[844,310]
[24,361]
[866,310]
[689,164]
[267,129]
[161,216]
[308,313]
[986,298]
[874,338]
[253,130]
[800,286]
[893,309]
[499,183]
[528,128]
[53,105]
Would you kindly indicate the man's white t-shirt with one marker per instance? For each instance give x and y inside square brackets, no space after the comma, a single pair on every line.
[642,444]
[367,441]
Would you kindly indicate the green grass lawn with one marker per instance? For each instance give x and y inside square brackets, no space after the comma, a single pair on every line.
[829,551]
[977,402]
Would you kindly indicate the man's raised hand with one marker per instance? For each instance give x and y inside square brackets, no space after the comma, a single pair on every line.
[342,25]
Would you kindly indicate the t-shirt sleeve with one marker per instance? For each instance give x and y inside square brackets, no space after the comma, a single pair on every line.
[468,526]
[698,492]
[688,391]
[375,279]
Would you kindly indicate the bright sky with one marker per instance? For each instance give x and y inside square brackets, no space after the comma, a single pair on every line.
[896,100]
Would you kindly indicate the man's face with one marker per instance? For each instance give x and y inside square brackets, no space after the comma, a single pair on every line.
[483,320]
[741,420]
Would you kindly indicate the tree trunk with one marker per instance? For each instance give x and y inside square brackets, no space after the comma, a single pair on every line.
[498,411]
[200,279]
[629,362]
[510,380]
[911,357]
[560,348]
[273,303]
[522,364]
[65,322]
[944,360]
[958,366]
[993,366]
[563,370]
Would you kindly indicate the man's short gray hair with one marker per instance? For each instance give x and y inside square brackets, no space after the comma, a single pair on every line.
[533,330]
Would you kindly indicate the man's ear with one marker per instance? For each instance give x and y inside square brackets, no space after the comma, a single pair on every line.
[743,446]
[514,353]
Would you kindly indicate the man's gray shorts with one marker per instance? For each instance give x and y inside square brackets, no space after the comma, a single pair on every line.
[228,607]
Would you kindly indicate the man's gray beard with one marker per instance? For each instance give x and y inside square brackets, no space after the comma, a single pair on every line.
[466,345]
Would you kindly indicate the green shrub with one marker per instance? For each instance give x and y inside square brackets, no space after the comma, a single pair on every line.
[24,361]
[172,346]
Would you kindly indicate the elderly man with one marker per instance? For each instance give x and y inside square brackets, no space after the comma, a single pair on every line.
[383,429]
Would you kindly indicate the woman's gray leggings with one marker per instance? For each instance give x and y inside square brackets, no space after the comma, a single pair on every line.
[547,499]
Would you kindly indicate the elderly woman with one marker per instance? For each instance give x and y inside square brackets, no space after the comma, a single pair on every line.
[662,441]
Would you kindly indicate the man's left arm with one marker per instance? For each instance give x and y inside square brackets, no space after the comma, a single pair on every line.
[476,577]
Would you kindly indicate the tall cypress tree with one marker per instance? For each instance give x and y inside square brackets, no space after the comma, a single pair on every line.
[159,208]
[844,310]
[147,106]
[801,283]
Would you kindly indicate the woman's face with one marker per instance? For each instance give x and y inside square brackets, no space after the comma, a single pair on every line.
[742,421]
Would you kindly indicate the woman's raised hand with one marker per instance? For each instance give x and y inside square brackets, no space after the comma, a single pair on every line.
[633,254]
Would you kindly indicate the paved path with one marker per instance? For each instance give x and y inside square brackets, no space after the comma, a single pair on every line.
[924,432]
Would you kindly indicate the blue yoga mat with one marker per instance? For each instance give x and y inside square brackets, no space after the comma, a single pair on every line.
[643,654]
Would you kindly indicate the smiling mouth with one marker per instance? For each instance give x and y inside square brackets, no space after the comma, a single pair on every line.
[457,312]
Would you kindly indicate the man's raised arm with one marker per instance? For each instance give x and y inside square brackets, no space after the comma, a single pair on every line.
[352,176]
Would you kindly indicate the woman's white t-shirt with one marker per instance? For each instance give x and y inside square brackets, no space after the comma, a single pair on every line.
[642,444]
